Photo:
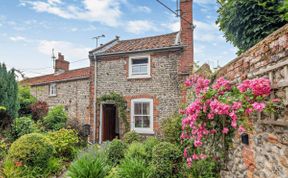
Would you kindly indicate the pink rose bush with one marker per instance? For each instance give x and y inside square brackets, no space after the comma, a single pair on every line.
[217,111]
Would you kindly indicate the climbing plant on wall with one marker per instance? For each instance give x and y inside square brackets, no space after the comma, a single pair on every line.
[120,102]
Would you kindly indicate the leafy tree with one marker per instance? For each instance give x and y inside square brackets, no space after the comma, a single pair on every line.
[8,95]
[246,22]
[26,99]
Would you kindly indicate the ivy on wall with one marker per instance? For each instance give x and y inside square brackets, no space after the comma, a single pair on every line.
[121,104]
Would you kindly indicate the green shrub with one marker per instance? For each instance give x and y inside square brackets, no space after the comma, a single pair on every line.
[113,173]
[205,169]
[56,118]
[133,168]
[9,170]
[166,159]
[149,144]
[136,150]
[92,163]
[131,136]
[3,149]
[115,151]
[22,126]
[172,128]
[64,142]
[32,150]
[25,99]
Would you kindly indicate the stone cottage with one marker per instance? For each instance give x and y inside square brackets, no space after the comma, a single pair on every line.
[69,88]
[147,72]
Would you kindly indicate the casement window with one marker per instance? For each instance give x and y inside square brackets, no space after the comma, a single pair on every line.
[53,89]
[139,67]
[142,115]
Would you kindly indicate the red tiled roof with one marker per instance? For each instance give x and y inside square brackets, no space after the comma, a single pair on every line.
[69,75]
[147,43]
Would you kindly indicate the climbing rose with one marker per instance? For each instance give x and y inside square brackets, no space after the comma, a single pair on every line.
[259,87]
[222,84]
[258,106]
[236,105]
[197,143]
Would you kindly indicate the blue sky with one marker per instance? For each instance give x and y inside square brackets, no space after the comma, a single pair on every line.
[29,29]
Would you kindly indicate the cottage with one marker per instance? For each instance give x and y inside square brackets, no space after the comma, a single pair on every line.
[147,72]
[69,88]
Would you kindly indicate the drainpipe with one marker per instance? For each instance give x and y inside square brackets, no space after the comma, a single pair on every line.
[94,99]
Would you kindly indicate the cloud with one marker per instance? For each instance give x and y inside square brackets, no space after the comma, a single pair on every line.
[144,9]
[104,11]
[207,32]
[72,51]
[140,26]
[18,38]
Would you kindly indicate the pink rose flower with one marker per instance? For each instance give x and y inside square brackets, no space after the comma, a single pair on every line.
[241,129]
[225,130]
[258,106]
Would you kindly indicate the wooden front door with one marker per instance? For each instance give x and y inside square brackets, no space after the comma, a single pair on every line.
[109,122]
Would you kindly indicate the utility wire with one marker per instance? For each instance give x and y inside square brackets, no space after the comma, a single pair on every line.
[175,12]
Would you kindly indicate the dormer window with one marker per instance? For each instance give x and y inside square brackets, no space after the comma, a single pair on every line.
[139,67]
[53,89]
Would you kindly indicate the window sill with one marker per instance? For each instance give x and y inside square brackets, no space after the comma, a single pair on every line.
[139,77]
[52,96]
[146,131]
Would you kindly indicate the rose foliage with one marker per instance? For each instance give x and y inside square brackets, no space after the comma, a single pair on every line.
[217,111]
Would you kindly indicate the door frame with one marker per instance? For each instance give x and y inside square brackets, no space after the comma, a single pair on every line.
[101,118]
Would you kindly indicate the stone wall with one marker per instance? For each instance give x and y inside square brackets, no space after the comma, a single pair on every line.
[266,156]
[163,86]
[73,95]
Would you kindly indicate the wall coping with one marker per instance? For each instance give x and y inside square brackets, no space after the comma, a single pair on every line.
[277,32]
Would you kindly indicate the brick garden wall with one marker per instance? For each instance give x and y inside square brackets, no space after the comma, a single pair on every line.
[266,156]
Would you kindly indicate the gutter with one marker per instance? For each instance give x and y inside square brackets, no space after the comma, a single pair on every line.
[59,81]
[140,51]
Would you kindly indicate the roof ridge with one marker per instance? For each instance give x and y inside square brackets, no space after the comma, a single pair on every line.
[30,78]
[150,36]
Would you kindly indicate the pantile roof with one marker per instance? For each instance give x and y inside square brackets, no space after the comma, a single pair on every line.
[141,44]
[66,76]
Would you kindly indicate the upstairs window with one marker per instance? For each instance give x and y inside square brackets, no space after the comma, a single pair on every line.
[53,89]
[142,115]
[139,67]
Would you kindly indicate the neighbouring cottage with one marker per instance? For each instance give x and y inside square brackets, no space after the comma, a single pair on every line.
[148,72]
[69,88]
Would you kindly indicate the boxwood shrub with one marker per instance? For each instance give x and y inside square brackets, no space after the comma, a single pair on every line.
[166,160]
[131,137]
[32,150]
[115,151]
[22,126]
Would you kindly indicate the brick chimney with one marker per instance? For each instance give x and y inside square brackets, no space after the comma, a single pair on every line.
[61,65]
[186,37]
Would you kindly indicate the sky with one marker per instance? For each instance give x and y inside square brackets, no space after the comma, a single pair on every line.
[30,29]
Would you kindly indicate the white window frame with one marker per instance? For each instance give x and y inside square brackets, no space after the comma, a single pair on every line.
[53,87]
[131,58]
[142,130]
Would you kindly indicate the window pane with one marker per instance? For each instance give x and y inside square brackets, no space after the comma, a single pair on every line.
[146,108]
[146,121]
[140,61]
[138,121]
[137,108]
[139,69]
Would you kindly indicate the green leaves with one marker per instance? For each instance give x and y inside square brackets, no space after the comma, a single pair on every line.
[245,23]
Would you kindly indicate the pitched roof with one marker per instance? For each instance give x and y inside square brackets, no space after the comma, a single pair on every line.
[141,44]
[66,76]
